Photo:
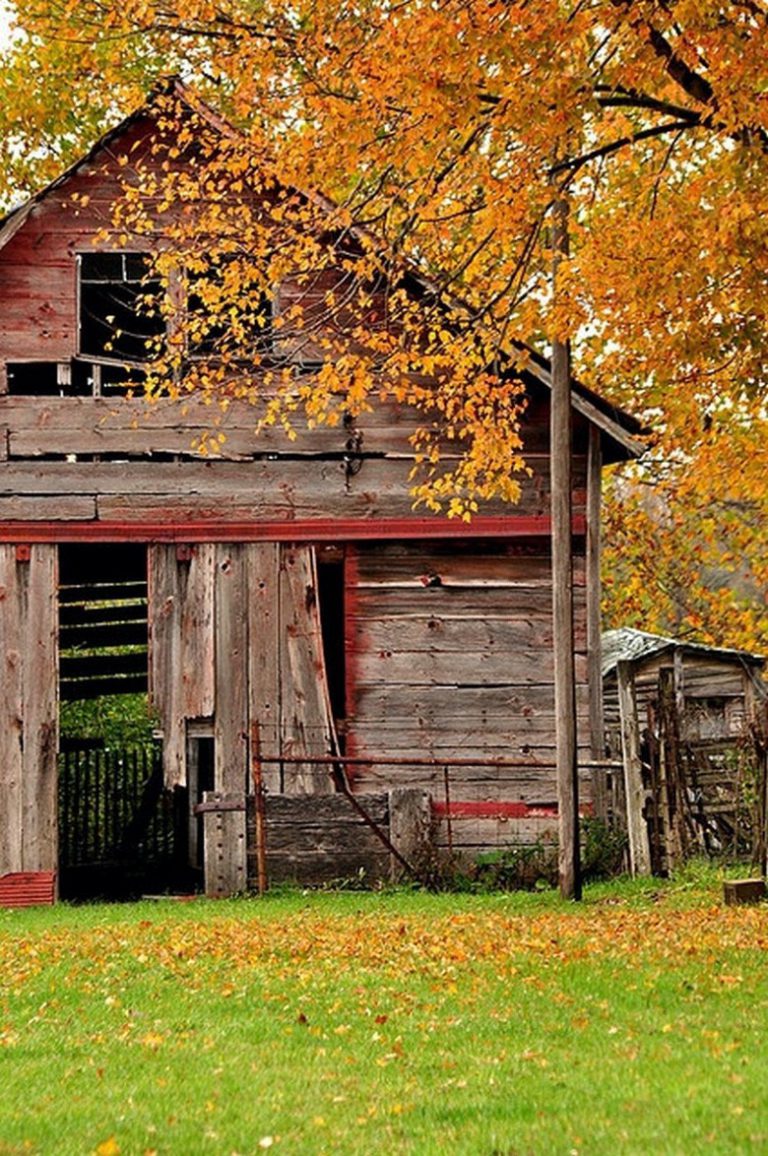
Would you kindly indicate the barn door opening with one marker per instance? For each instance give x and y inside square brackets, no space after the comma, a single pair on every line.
[121,833]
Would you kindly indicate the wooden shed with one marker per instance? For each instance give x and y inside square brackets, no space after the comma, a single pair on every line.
[291,617]
[689,722]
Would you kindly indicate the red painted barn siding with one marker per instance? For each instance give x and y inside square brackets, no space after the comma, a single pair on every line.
[449,651]
[38,284]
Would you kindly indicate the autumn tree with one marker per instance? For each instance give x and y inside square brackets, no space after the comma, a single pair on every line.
[442,133]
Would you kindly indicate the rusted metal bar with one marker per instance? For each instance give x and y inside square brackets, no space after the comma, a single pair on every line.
[400,761]
[405,761]
[380,833]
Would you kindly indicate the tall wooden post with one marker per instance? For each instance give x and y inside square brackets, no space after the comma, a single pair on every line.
[637,830]
[594,643]
[562,584]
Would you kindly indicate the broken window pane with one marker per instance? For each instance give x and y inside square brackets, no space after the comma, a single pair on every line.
[119,311]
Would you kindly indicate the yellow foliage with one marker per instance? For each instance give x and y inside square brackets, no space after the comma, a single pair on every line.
[442,133]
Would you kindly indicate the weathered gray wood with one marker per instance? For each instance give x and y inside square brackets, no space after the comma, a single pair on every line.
[283,488]
[456,563]
[319,839]
[453,602]
[197,645]
[264,630]
[224,835]
[39,640]
[47,509]
[667,748]
[28,710]
[472,668]
[562,581]
[593,615]
[409,827]
[102,425]
[305,715]
[11,712]
[166,688]
[407,563]
[465,718]
[637,830]
[493,634]
[231,720]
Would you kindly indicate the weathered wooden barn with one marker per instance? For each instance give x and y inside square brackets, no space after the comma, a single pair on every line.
[280,603]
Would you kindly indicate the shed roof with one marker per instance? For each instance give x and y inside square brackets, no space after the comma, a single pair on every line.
[626,644]
[623,431]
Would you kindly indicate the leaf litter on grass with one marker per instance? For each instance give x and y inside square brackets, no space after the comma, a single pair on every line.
[394,1024]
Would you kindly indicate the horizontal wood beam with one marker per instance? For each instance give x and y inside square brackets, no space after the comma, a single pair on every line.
[309,530]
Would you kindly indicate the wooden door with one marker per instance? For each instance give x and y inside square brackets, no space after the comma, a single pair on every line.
[28,707]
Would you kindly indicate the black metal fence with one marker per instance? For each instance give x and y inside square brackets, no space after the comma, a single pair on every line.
[120,831]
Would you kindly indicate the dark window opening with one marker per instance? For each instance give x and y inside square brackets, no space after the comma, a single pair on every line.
[72,379]
[33,378]
[330,575]
[120,316]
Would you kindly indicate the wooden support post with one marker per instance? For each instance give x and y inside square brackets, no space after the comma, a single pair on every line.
[409,828]
[225,844]
[562,585]
[673,771]
[637,830]
[594,648]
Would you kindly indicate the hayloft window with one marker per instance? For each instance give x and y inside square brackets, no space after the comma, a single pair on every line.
[119,317]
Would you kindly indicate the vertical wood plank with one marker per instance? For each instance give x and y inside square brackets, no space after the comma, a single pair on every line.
[678,667]
[40,710]
[637,831]
[224,834]
[230,727]
[263,589]
[561,481]
[166,697]
[305,714]
[409,828]
[594,656]
[197,632]
[674,796]
[11,671]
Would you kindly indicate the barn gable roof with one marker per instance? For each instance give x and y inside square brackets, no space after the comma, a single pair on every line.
[624,433]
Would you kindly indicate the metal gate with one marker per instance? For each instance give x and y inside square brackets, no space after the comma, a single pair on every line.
[121,833]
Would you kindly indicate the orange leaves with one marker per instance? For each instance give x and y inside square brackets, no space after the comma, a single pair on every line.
[108,1147]
[434,128]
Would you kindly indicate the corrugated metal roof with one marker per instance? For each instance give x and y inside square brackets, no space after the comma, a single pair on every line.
[626,644]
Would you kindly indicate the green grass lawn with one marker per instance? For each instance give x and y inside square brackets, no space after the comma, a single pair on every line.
[383,1023]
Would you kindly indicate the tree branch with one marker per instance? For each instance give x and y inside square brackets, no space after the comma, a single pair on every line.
[572,165]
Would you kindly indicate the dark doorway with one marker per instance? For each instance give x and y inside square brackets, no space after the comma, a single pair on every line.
[121,833]
[330,578]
